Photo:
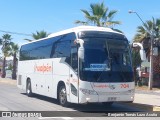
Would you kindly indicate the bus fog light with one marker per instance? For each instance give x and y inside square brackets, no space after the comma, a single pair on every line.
[87,99]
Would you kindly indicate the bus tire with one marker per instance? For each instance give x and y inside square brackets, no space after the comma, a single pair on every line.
[29,89]
[62,96]
[107,104]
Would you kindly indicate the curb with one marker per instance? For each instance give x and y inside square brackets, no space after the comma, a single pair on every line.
[156,108]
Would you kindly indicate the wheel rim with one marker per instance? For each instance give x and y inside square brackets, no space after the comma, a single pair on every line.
[62,96]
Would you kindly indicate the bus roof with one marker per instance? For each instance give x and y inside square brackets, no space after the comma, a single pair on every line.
[76,30]
[82,28]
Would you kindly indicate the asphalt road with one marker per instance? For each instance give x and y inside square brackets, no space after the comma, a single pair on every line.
[13,99]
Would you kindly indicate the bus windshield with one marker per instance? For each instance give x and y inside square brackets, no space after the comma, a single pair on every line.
[106,60]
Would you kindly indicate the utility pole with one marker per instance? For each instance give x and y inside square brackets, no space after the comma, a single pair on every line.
[151,33]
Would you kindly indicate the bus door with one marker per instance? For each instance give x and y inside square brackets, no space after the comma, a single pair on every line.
[74,75]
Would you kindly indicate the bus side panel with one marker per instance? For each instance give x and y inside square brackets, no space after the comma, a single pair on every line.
[42,73]
[60,73]
[24,72]
[73,87]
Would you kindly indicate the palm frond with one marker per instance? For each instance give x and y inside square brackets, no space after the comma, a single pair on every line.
[39,34]
[81,22]
[111,14]
[85,12]
[97,15]
[112,23]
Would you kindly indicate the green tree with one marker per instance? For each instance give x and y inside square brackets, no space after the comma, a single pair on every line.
[13,51]
[39,34]
[143,35]
[5,41]
[99,15]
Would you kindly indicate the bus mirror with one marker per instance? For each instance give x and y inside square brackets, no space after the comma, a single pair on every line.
[142,55]
[142,52]
[79,41]
[81,53]
[81,48]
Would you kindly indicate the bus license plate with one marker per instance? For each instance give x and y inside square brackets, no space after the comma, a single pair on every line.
[112,99]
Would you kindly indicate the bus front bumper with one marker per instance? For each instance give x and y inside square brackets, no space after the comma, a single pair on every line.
[105,98]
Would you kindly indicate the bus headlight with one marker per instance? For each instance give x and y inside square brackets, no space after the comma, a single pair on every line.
[88,92]
[131,91]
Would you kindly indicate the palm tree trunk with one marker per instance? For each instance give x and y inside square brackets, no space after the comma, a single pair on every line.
[14,76]
[135,75]
[3,69]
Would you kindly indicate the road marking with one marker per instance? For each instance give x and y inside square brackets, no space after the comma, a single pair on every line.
[64,118]
[156,108]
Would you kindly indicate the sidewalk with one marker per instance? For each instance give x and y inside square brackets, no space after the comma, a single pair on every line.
[149,98]
[8,81]
[144,99]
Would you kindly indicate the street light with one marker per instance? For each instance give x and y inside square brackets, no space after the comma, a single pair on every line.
[130,11]
[151,33]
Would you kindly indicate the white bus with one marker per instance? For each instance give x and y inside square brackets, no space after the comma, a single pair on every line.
[84,64]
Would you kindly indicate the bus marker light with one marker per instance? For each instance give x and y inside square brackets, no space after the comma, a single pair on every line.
[87,99]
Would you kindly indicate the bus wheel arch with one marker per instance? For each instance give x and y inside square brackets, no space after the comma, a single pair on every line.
[61,94]
[28,87]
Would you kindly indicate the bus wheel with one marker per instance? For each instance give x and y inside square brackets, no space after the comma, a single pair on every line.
[28,89]
[107,104]
[62,96]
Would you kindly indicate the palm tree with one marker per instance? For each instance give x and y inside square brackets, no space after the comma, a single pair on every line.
[13,50]
[143,35]
[5,41]
[99,15]
[39,34]
[142,32]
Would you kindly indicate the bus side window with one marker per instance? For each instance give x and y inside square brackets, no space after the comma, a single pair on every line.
[62,49]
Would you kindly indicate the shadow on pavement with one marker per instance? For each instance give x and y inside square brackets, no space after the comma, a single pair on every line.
[98,107]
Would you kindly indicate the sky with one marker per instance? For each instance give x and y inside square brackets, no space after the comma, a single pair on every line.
[29,16]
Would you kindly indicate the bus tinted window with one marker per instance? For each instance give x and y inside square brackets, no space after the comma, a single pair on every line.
[36,50]
[62,47]
[59,46]
[41,50]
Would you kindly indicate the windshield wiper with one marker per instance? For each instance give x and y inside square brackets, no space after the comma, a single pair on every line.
[109,58]
[121,72]
[107,63]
